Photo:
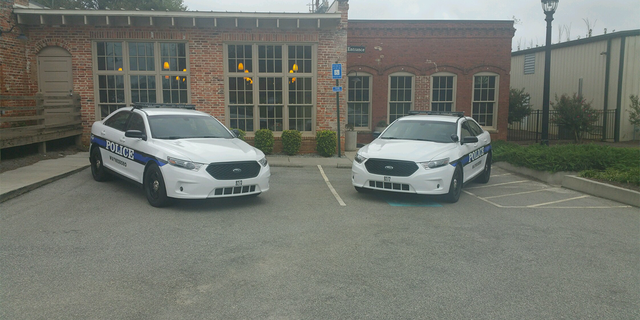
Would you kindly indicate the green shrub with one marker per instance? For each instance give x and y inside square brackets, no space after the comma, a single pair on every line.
[264,140]
[326,141]
[242,133]
[634,110]
[591,160]
[574,115]
[519,106]
[291,141]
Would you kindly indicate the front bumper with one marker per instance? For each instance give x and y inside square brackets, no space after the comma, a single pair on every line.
[187,184]
[423,181]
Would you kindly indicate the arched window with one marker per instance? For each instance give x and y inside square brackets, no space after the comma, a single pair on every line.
[359,100]
[485,99]
[401,95]
[443,91]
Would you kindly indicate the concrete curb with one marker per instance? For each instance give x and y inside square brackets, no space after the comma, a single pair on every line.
[570,180]
[602,190]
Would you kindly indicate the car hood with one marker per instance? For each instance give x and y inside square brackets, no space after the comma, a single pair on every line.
[409,150]
[210,150]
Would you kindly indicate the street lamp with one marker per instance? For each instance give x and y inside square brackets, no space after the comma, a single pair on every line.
[549,8]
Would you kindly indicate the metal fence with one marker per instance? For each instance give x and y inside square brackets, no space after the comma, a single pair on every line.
[530,128]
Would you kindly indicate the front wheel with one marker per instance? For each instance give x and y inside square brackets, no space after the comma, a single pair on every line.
[455,188]
[486,173]
[154,187]
[98,171]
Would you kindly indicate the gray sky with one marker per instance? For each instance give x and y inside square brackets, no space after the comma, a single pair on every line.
[618,15]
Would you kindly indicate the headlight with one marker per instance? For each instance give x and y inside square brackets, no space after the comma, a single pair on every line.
[189,165]
[359,158]
[435,163]
[263,162]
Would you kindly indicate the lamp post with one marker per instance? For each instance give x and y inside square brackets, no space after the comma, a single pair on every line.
[549,8]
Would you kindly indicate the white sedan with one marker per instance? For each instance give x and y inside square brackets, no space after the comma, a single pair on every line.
[431,153]
[176,153]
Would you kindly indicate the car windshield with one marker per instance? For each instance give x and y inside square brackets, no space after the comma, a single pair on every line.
[421,130]
[186,127]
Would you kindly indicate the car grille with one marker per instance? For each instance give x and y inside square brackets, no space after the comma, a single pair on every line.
[389,185]
[387,167]
[234,170]
[234,190]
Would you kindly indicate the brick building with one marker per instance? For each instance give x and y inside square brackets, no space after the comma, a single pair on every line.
[257,70]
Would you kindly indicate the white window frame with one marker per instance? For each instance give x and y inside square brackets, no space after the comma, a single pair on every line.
[126,72]
[454,89]
[495,101]
[367,101]
[413,92]
[286,77]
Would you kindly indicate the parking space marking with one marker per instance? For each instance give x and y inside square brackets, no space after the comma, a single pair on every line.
[335,194]
[554,202]
[519,193]
[501,175]
[498,184]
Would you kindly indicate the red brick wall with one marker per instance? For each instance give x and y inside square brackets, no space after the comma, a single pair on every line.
[206,76]
[463,48]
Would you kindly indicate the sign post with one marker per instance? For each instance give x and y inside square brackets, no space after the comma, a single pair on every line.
[336,72]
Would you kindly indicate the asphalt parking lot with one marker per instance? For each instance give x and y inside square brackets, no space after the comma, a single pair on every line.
[314,248]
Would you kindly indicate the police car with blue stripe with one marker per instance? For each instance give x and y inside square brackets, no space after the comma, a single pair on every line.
[176,152]
[432,153]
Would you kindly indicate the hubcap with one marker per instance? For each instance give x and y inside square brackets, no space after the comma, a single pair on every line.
[155,185]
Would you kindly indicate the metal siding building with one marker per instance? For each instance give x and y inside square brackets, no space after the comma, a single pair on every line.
[580,66]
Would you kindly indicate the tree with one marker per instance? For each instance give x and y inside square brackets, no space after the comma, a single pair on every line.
[518,105]
[634,110]
[574,115]
[171,5]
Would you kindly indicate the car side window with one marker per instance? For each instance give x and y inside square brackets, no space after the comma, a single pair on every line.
[475,128]
[118,121]
[465,131]
[136,123]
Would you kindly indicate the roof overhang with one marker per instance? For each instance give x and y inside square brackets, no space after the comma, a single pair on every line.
[168,19]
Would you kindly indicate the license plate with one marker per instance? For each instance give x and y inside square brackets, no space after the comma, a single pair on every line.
[387,179]
[238,183]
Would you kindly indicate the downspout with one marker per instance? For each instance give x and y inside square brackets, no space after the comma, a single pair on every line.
[619,95]
[605,106]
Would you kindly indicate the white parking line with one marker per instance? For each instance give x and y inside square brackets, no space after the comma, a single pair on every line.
[519,193]
[498,184]
[554,202]
[335,194]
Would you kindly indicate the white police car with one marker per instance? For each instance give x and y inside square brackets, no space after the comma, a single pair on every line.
[175,152]
[426,153]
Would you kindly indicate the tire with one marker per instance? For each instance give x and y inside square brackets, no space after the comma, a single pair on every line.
[486,173]
[98,171]
[154,187]
[455,187]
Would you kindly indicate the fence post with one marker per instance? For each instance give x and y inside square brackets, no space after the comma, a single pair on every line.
[537,123]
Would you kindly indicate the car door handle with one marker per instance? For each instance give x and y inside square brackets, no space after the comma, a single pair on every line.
[103,133]
[122,139]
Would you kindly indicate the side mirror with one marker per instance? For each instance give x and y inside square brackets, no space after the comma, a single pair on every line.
[236,133]
[136,134]
[469,139]
[454,137]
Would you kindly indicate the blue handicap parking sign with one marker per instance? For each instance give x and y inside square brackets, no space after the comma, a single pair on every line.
[336,71]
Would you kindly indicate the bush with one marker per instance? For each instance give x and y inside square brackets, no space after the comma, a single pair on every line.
[518,105]
[242,133]
[574,115]
[593,161]
[264,140]
[634,110]
[326,142]
[291,141]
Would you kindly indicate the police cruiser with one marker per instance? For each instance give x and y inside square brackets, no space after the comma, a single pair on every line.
[174,151]
[426,152]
